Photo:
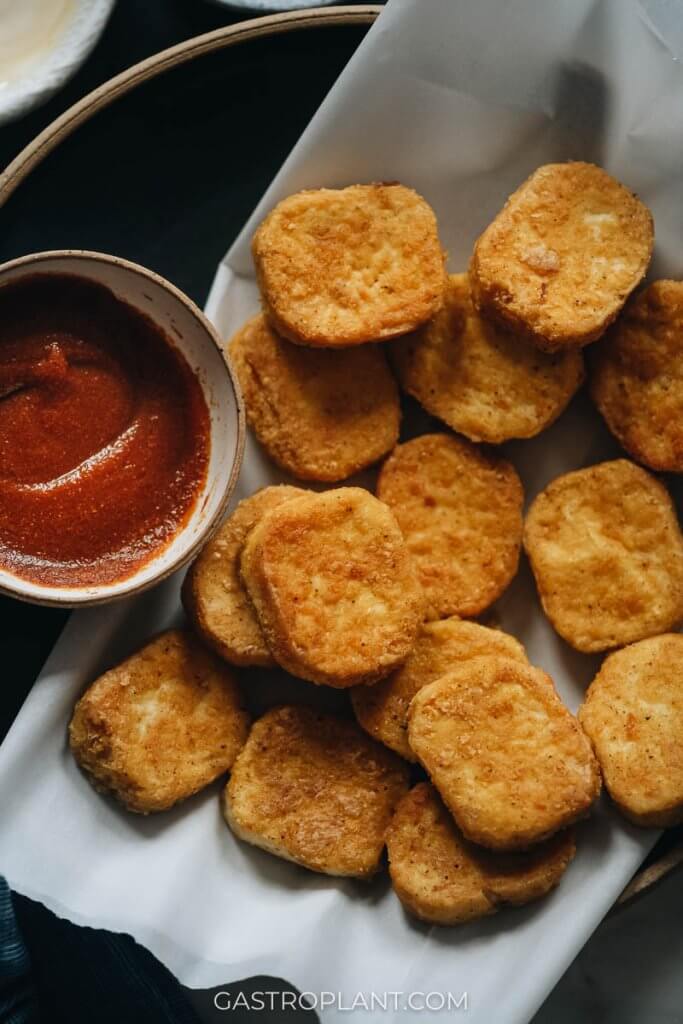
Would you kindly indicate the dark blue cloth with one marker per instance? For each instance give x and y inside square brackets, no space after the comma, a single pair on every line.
[17,1000]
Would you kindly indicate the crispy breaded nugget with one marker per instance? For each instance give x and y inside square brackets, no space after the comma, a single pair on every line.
[460,511]
[441,878]
[508,759]
[215,601]
[562,256]
[315,790]
[333,587]
[637,377]
[633,715]
[607,553]
[161,725]
[486,383]
[320,415]
[382,709]
[338,267]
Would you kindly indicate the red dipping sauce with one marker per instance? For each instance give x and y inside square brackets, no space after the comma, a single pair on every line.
[104,434]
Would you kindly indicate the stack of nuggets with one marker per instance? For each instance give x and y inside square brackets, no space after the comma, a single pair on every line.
[352,591]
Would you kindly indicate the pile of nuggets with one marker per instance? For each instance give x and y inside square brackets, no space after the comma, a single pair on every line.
[462,759]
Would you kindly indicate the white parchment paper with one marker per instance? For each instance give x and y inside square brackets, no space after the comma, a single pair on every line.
[461,100]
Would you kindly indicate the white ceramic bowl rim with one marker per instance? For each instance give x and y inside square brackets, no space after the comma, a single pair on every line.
[82,29]
[191,537]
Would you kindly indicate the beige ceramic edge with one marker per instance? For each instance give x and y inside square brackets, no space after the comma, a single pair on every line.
[220,38]
[198,341]
[107,93]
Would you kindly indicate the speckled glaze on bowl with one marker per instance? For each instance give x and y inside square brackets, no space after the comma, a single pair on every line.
[197,340]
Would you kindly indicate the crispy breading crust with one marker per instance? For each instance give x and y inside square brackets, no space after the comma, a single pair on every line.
[460,511]
[339,267]
[161,725]
[214,599]
[333,587]
[486,383]
[441,878]
[562,256]
[508,759]
[382,709]
[315,790]
[320,415]
[637,377]
[633,715]
[607,554]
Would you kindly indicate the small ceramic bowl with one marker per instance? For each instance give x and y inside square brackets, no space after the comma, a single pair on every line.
[196,339]
[42,45]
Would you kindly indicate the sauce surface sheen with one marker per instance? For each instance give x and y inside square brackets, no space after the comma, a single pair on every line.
[104,434]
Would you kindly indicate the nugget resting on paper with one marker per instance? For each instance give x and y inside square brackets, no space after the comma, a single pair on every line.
[508,759]
[562,256]
[442,878]
[215,601]
[607,553]
[161,725]
[633,715]
[338,267]
[320,415]
[382,709]
[314,789]
[486,383]
[460,511]
[637,377]
[333,587]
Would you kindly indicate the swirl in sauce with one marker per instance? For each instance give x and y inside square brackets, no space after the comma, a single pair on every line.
[104,434]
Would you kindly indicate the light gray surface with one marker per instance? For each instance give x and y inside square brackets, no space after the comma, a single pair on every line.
[630,970]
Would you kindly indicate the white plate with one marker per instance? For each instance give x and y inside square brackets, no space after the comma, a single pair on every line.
[59,34]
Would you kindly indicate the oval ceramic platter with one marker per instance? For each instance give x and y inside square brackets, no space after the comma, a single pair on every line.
[163,165]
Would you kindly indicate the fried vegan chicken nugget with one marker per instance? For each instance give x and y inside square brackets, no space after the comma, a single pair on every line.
[161,725]
[637,377]
[607,553]
[633,715]
[508,759]
[333,587]
[382,709]
[319,415]
[214,599]
[460,511]
[562,256]
[339,267]
[486,383]
[315,790]
[441,878]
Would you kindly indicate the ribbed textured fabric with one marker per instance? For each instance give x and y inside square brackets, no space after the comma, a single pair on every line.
[55,972]
[17,1001]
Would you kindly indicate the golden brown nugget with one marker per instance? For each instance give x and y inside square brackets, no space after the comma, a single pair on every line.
[382,709]
[633,715]
[562,256]
[315,790]
[440,877]
[161,725]
[637,377]
[607,554]
[214,599]
[460,511]
[486,383]
[510,762]
[319,415]
[339,267]
[333,587]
